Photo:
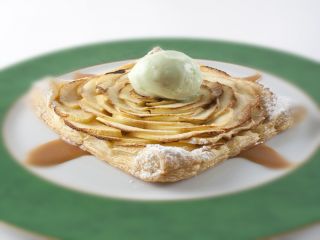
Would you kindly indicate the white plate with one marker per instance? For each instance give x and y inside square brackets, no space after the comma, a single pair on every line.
[23,131]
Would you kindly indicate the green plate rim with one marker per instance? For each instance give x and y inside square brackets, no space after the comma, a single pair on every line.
[29,202]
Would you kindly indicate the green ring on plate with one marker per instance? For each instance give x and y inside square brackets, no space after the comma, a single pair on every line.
[38,205]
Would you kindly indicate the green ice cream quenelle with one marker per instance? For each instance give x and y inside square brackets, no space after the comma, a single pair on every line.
[166,74]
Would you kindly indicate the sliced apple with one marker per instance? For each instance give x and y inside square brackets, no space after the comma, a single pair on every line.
[77,115]
[96,129]
[68,94]
[107,80]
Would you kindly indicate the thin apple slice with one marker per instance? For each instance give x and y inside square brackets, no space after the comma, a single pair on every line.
[77,115]
[126,128]
[96,129]
[105,81]
[68,94]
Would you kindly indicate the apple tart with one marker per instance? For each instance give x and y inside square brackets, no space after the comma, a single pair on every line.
[156,139]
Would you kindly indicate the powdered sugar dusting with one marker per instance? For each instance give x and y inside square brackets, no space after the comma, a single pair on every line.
[277,105]
[283,105]
[155,159]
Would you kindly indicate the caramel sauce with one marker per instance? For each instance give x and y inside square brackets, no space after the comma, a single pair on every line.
[266,156]
[59,151]
[54,152]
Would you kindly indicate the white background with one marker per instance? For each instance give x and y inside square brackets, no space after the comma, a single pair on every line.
[33,27]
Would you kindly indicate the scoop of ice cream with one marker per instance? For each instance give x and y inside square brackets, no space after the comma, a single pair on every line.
[166,74]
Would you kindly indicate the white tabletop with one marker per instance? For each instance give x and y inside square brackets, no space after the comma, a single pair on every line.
[33,27]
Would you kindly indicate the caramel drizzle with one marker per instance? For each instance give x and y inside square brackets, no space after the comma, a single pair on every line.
[265,156]
[53,153]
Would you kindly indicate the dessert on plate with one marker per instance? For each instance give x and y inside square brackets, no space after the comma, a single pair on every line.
[162,118]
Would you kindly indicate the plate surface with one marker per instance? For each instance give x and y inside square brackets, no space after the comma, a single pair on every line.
[88,174]
[31,202]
